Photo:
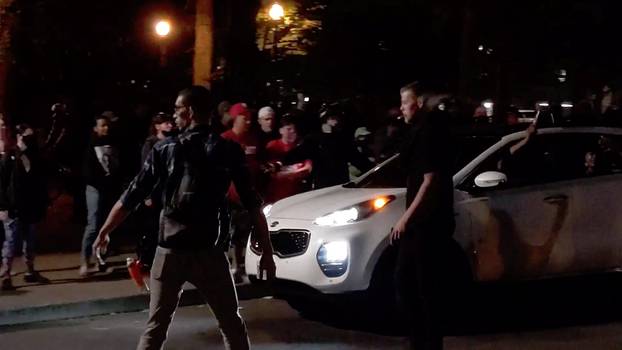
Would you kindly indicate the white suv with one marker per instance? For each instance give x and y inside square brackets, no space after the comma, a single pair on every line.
[551,209]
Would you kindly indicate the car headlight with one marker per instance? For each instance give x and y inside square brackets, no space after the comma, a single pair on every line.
[333,258]
[354,213]
[266,210]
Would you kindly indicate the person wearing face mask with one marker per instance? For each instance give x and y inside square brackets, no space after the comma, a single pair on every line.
[23,203]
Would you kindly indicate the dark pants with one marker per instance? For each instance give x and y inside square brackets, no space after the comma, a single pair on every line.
[426,276]
[209,272]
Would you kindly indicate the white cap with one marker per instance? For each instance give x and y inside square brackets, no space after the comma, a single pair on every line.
[265,110]
[362,131]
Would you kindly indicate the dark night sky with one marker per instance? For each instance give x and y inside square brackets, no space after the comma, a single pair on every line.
[89,52]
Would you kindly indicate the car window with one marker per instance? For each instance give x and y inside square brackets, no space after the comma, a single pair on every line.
[553,157]
[469,147]
[390,175]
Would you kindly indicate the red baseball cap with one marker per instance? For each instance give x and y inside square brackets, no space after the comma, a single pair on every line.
[239,109]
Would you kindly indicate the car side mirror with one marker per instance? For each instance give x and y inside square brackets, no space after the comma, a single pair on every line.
[490,179]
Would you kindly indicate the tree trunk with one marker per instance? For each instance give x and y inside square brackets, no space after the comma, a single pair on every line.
[203,42]
[466,70]
[6,58]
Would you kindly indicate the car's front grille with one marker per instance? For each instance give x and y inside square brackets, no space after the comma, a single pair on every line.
[286,243]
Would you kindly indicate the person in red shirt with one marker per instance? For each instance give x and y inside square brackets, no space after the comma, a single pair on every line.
[243,133]
[287,180]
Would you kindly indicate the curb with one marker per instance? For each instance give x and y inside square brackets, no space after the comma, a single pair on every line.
[13,317]
[88,308]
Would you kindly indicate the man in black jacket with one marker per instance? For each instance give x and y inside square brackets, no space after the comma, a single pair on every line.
[424,232]
[23,203]
[103,184]
[191,172]
[330,152]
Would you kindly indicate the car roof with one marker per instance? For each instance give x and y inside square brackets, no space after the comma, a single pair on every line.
[565,130]
[458,176]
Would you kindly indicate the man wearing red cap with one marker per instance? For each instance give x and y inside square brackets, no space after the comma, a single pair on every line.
[242,133]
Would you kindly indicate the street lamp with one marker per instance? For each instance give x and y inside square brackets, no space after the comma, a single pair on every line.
[162,29]
[276,13]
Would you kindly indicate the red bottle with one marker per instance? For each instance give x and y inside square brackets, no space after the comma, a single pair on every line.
[133,267]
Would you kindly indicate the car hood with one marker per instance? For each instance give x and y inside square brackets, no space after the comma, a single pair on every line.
[313,204]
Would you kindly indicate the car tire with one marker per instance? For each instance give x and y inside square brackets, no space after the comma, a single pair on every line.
[310,307]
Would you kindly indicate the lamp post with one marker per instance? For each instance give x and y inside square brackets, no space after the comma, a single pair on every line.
[162,29]
[276,13]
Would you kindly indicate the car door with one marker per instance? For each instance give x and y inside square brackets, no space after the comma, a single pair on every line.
[519,230]
[597,225]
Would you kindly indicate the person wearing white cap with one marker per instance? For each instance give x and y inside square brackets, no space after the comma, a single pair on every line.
[266,118]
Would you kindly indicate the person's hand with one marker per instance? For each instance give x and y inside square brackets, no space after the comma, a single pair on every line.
[267,267]
[532,129]
[4,215]
[101,242]
[397,230]
[149,203]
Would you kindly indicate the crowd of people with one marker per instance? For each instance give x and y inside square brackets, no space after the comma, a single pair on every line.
[284,155]
[204,173]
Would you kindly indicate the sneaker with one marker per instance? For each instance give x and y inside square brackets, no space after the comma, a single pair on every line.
[238,276]
[84,270]
[7,284]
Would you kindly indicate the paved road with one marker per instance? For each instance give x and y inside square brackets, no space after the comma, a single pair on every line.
[274,325]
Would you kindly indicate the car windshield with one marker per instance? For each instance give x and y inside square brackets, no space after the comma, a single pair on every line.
[391,175]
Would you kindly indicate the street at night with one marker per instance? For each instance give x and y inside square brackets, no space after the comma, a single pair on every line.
[273,325]
[310,174]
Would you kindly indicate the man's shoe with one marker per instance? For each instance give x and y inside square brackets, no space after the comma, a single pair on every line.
[35,277]
[238,276]
[7,284]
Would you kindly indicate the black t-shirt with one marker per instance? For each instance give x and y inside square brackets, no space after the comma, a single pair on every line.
[427,149]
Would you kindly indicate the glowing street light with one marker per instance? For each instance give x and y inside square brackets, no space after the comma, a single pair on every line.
[163,28]
[276,12]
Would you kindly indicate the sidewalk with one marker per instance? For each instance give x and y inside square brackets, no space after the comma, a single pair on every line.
[68,296]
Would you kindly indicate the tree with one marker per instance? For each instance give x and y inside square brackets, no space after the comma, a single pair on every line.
[203,41]
[296,33]
[7,19]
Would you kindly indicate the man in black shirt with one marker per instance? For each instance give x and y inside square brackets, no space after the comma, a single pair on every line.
[423,233]
[191,172]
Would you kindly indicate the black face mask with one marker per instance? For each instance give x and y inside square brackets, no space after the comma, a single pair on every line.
[29,141]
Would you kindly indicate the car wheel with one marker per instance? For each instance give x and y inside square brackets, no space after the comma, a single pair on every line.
[309,307]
